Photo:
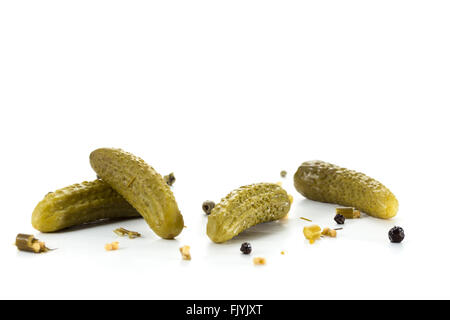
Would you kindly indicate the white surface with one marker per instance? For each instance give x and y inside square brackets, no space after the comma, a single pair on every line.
[225,94]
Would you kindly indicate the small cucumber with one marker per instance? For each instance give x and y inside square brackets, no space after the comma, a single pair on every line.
[325,182]
[142,187]
[78,204]
[246,207]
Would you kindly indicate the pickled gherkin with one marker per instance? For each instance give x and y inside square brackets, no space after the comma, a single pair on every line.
[246,207]
[325,182]
[78,204]
[143,187]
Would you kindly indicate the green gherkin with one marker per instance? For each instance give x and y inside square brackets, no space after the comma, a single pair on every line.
[325,182]
[78,204]
[246,207]
[142,187]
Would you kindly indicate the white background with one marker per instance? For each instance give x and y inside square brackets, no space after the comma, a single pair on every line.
[227,93]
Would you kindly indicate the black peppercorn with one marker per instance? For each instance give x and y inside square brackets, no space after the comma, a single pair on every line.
[339,218]
[246,248]
[207,206]
[396,235]
[170,179]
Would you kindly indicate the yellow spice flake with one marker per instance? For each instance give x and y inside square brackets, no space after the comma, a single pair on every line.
[329,232]
[112,246]
[312,233]
[258,261]
[185,252]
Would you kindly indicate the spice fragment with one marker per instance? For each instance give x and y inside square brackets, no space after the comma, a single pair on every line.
[246,248]
[329,232]
[348,213]
[112,246]
[185,252]
[305,219]
[396,234]
[312,233]
[207,206]
[170,179]
[259,261]
[27,242]
[124,232]
[283,173]
[339,218]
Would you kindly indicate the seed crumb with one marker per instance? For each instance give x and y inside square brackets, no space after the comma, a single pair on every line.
[312,233]
[185,252]
[258,261]
[329,232]
[112,246]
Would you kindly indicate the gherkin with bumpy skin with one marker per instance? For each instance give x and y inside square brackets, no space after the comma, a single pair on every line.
[246,207]
[325,182]
[143,187]
[78,204]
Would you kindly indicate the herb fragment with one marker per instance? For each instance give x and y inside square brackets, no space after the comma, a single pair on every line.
[27,242]
[349,213]
[124,232]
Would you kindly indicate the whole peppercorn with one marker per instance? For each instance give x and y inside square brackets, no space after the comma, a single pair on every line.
[170,179]
[339,218]
[207,206]
[396,234]
[246,248]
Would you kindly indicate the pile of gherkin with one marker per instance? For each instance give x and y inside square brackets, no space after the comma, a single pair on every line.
[129,187]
